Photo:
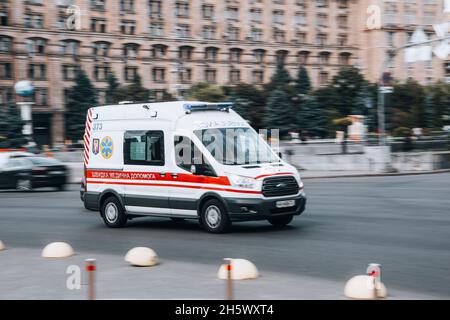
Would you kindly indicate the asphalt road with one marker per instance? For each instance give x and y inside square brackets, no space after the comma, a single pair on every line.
[401,222]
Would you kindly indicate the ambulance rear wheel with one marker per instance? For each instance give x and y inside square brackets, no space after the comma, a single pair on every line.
[214,217]
[112,213]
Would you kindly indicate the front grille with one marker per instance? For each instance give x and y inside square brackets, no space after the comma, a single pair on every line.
[279,186]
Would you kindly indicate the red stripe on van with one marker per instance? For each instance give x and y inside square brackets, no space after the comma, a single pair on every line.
[136,175]
[173,185]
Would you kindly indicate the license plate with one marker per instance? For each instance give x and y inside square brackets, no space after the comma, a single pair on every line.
[285,203]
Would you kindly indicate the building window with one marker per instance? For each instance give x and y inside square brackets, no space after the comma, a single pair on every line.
[156,29]
[209,32]
[207,11]
[159,51]
[344,58]
[390,35]
[342,21]
[235,55]
[36,71]
[232,13]
[324,58]
[6,96]
[69,47]
[322,20]
[98,25]
[258,77]
[98,5]
[323,78]
[278,16]
[155,7]
[40,97]
[127,5]
[255,15]
[69,72]
[101,49]
[127,27]
[259,55]
[185,53]
[342,4]
[256,34]
[130,50]
[36,45]
[235,76]
[301,36]
[183,31]
[321,3]
[321,39]
[211,53]
[300,18]
[159,74]
[303,57]
[342,40]
[185,75]
[129,73]
[5,70]
[3,19]
[281,56]
[279,36]
[210,75]
[182,9]
[33,20]
[5,44]
[101,72]
[144,148]
[234,33]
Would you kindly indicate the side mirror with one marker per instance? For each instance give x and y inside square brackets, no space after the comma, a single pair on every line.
[280,155]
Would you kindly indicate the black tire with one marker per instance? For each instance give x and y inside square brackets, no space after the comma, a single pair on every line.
[214,217]
[61,187]
[112,213]
[176,219]
[281,221]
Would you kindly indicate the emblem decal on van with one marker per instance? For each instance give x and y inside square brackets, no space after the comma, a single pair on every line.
[107,147]
[95,146]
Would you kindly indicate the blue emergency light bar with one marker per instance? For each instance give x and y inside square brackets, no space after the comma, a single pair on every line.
[223,106]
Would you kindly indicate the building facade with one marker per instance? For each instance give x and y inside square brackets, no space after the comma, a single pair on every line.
[173,44]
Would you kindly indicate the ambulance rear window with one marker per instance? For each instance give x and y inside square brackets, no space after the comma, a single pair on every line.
[144,148]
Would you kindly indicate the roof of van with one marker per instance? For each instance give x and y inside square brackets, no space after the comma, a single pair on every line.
[164,110]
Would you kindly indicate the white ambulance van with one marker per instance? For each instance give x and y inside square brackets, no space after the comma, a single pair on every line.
[184,160]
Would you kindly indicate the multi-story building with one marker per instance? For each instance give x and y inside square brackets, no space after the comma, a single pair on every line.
[172,44]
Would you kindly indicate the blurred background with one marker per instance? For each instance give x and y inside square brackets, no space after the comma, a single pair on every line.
[360,78]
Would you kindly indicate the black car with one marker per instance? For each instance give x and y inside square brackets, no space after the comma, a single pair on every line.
[27,173]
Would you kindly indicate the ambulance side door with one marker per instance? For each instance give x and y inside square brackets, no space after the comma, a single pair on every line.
[146,164]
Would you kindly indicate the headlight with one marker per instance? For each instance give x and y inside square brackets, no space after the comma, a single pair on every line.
[242,182]
[299,180]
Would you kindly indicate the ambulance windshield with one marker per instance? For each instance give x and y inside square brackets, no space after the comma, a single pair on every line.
[236,146]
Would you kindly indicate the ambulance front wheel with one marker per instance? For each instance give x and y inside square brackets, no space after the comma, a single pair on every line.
[214,217]
[112,213]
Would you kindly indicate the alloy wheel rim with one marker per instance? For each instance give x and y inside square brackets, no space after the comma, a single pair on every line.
[213,216]
[111,212]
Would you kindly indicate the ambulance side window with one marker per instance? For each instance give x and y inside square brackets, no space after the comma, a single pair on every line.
[187,154]
[143,148]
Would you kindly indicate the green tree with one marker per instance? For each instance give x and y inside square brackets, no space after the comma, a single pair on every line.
[438,103]
[11,125]
[81,97]
[278,113]
[312,118]
[113,85]
[303,84]
[280,80]
[408,105]
[206,92]
[249,102]
[132,92]
[345,91]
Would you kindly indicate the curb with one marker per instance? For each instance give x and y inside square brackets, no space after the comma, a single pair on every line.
[362,175]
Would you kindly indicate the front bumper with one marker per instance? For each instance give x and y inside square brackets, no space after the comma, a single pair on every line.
[245,209]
